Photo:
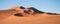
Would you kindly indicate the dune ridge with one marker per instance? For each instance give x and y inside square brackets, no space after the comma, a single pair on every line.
[22,15]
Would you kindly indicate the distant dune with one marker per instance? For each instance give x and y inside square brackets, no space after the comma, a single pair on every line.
[22,15]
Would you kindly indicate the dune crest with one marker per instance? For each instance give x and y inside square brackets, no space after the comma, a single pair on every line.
[22,15]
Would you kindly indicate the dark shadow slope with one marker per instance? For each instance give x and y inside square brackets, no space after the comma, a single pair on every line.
[36,11]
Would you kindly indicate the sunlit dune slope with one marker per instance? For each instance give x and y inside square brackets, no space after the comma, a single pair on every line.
[22,15]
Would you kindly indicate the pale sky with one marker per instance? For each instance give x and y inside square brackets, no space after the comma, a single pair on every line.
[42,5]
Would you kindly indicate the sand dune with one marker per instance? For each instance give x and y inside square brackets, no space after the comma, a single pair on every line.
[30,17]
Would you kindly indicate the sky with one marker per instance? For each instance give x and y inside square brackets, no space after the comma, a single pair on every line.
[42,5]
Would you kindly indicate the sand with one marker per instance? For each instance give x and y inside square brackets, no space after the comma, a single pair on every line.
[38,19]
[7,17]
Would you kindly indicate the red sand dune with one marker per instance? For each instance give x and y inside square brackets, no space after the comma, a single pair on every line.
[30,17]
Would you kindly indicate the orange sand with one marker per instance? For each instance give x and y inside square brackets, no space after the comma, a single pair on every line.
[38,19]
[28,19]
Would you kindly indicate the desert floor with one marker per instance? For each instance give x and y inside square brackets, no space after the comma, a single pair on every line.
[42,19]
